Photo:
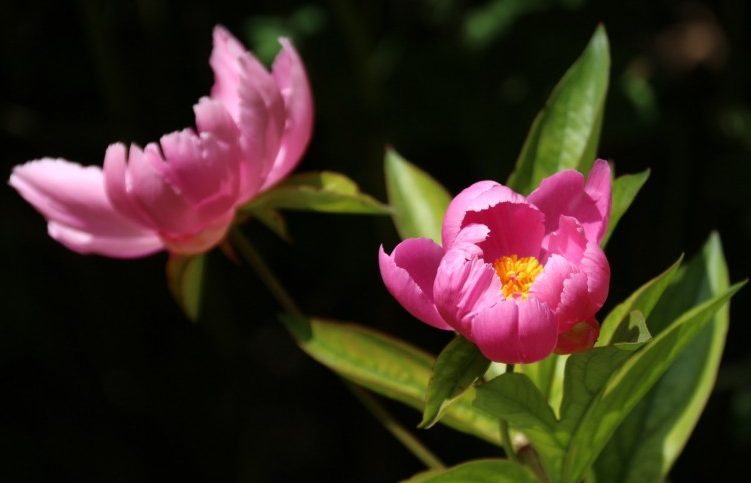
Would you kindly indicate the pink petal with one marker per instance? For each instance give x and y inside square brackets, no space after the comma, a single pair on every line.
[569,240]
[595,265]
[515,229]
[515,332]
[564,193]
[202,241]
[204,170]
[155,196]
[479,196]
[465,284]
[289,73]
[72,198]
[224,61]
[576,303]
[118,185]
[408,274]
[548,286]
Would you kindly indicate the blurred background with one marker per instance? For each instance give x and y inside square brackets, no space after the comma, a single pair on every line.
[103,378]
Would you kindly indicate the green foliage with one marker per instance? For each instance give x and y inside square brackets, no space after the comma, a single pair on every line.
[185,281]
[478,471]
[323,191]
[565,134]
[385,365]
[672,407]
[419,202]
[457,367]
[624,190]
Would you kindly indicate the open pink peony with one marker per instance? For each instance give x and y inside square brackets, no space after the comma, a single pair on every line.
[181,194]
[519,277]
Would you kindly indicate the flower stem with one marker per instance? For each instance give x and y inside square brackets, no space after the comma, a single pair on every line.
[249,253]
[508,446]
[408,440]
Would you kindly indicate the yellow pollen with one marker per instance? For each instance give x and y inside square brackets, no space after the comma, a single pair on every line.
[517,275]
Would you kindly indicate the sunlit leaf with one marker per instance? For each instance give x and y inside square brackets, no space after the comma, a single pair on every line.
[630,383]
[457,367]
[565,134]
[478,471]
[515,398]
[672,407]
[322,191]
[419,202]
[386,366]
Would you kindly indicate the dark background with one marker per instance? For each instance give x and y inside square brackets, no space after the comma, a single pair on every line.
[102,377]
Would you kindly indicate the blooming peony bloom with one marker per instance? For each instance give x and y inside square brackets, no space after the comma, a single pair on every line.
[519,277]
[181,194]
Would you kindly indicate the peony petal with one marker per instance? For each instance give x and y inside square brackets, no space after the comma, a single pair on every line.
[576,302]
[224,61]
[569,240]
[162,202]
[465,283]
[73,199]
[408,274]
[515,332]
[289,73]
[595,265]
[548,286]
[477,197]
[564,193]
[207,238]
[204,169]
[515,229]
[599,190]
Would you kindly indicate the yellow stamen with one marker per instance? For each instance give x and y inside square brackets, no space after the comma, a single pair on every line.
[517,275]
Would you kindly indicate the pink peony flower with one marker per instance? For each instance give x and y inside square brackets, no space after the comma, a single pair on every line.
[181,194]
[519,277]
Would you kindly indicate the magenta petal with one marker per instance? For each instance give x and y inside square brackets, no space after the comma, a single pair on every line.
[118,185]
[515,332]
[576,303]
[224,61]
[465,283]
[408,274]
[564,193]
[595,265]
[204,170]
[477,197]
[155,196]
[599,190]
[289,73]
[569,240]
[548,286]
[72,198]
[515,229]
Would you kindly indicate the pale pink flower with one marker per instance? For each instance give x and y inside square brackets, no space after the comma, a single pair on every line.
[519,277]
[181,194]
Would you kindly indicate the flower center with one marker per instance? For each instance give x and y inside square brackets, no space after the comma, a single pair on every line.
[517,275]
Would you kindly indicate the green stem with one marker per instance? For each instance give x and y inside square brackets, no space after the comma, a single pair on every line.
[253,258]
[249,253]
[414,445]
[508,446]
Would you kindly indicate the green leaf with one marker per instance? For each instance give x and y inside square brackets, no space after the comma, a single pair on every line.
[515,398]
[548,377]
[632,330]
[629,384]
[643,300]
[566,132]
[322,191]
[457,367]
[419,202]
[185,282]
[478,471]
[673,406]
[625,188]
[385,365]
[273,220]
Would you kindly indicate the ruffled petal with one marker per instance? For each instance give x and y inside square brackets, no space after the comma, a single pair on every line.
[595,265]
[289,73]
[564,193]
[224,61]
[465,283]
[408,274]
[204,169]
[515,332]
[161,201]
[548,286]
[73,199]
[515,229]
